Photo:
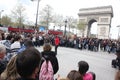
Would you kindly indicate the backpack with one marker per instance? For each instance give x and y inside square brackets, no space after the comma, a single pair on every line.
[53,60]
[46,71]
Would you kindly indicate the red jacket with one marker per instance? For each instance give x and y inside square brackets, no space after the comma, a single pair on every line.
[57,41]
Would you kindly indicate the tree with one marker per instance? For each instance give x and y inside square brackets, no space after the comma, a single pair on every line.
[81,26]
[58,20]
[6,20]
[71,22]
[18,15]
[46,16]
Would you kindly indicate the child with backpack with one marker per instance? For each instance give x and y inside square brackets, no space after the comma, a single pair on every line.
[49,64]
[83,68]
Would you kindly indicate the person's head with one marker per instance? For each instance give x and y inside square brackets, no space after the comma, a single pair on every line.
[74,75]
[27,63]
[2,51]
[10,73]
[117,76]
[28,44]
[83,67]
[56,36]
[9,37]
[17,38]
[47,47]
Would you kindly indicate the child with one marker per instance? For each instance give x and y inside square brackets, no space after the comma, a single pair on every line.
[83,68]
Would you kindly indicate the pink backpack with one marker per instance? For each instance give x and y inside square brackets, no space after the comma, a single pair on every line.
[88,76]
[46,71]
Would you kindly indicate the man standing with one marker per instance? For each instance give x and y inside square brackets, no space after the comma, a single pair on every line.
[57,41]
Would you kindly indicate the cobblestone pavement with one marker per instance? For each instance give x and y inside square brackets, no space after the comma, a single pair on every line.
[99,62]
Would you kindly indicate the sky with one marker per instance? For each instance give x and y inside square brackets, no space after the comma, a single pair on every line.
[66,8]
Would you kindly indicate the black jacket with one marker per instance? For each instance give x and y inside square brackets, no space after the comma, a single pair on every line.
[51,55]
[3,65]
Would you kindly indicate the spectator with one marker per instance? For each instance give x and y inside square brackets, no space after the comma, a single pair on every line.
[50,55]
[7,43]
[83,68]
[74,75]
[26,44]
[57,42]
[16,45]
[27,64]
[10,73]
[3,63]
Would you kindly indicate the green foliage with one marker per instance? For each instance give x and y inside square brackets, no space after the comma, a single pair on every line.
[6,20]
[81,25]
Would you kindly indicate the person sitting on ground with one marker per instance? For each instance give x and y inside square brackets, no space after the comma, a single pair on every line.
[10,73]
[27,64]
[83,68]
[50,55]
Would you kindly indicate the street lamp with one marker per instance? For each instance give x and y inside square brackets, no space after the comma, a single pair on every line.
[118,32]
[65,27]
[1,16]
[36,13]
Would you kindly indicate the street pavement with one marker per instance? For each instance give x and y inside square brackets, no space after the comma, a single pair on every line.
[99,62]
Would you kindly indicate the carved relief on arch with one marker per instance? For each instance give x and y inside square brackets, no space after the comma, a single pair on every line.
[91,18]
[104,19]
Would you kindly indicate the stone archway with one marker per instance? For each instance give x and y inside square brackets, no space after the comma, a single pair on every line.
[101,15]
[89,26]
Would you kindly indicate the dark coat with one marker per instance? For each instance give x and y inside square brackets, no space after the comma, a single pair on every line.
[3,65]
[51,55]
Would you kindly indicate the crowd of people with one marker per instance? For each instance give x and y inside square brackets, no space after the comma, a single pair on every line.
[20,60]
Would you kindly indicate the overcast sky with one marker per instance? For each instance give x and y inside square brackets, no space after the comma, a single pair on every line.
[65,8]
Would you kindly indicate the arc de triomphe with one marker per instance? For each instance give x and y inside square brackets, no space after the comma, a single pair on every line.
[101,15]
